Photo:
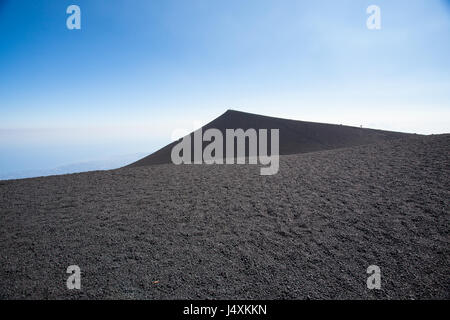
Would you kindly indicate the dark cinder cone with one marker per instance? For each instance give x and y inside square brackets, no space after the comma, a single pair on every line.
[295,136]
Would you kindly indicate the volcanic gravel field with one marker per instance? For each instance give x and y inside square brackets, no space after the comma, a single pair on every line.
[226,232]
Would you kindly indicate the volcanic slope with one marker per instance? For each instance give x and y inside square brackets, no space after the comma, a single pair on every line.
[295,136]
[225,232]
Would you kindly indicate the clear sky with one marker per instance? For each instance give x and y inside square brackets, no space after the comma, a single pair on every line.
[138,70]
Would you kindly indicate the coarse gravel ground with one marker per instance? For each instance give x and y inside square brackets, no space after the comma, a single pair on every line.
[226,232]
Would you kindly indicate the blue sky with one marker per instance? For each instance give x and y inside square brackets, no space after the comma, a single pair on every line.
[138,70]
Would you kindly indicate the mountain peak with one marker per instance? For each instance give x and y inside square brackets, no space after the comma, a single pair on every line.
[295,136]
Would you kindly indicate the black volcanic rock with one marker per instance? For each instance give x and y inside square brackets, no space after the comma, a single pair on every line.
[295,136]
[225,232]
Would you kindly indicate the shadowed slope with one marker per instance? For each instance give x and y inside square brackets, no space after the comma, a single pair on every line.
[295,136]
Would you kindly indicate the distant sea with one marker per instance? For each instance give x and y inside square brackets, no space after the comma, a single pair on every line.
[113,162]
